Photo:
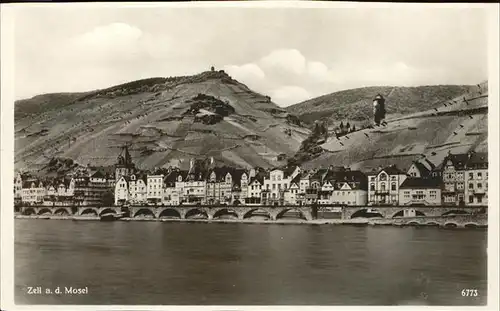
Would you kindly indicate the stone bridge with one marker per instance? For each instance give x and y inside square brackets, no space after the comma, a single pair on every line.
[449,221]
[240,212]
[243,212]
[68,210]
[399,211]
[182,212]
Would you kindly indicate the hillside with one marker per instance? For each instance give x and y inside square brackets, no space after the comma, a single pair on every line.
[458,125]
[355,105]
[166,121]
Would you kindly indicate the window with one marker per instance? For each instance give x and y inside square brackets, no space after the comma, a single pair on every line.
[479,175]
[479,199]
[393,186]
[274,186]
[471,199]
[471,175]
[479,185]
[382,187]
[471,185]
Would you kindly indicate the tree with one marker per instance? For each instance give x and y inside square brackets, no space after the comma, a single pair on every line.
[108,198]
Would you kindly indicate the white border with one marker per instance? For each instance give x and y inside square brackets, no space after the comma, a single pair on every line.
[7,147]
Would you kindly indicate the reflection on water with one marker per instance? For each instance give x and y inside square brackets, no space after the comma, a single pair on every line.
[248,264]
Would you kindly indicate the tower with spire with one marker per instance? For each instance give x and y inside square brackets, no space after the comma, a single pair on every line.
[124,165]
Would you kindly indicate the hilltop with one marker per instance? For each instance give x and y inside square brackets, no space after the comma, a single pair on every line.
[355,105]
[457,125]
[165,121]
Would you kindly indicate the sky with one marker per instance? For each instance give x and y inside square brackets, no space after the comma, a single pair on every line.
[289,54]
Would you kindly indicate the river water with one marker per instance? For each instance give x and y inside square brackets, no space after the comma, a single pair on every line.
[175,263]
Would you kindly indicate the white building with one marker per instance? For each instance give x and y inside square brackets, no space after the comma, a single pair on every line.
[33,192]
[171,195]
[350,189]
[416,191]
[138,191]
[154,186]
[292,194]
[275,186]
[122,194]
[254,190]
[383,186]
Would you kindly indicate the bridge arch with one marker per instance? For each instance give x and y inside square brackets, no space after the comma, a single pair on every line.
[450,225]
[144,211]
[29,211]
[401,213]
[169,212]
[196,212]
[107,210]
[455,212]
[471,225]
[413,223]
[224,212]
[364,213]
[251,212]
[432,224]
[62,211]
[44,210]
[282,213]
[87,211]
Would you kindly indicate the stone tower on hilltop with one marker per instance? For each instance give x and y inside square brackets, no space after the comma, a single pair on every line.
[378,109]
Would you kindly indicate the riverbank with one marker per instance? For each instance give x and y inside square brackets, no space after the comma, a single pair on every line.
[357,221]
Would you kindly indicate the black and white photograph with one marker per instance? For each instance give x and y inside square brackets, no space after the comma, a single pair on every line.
[249,154]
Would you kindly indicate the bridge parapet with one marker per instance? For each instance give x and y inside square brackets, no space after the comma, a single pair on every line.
[476,220]
[392,211]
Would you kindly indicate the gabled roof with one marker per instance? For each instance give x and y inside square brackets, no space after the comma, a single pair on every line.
[478,160]
[28,183]
[458,160]
[98,174]
[296,179]
[424,171]
[170,178]
[126,178]
[319,174]
[420,183]
[289,170]
[259,177]
[393,170]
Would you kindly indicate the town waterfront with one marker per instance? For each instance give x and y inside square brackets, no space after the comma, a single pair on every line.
[181,263]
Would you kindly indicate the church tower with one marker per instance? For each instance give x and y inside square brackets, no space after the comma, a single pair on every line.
[124,165]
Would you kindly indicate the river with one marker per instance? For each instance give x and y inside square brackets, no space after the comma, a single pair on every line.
[175,263]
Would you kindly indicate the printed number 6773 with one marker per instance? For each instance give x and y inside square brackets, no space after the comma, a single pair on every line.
[469,293]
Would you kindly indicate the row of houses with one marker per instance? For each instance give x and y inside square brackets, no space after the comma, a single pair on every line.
[85,189]
[459,179]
